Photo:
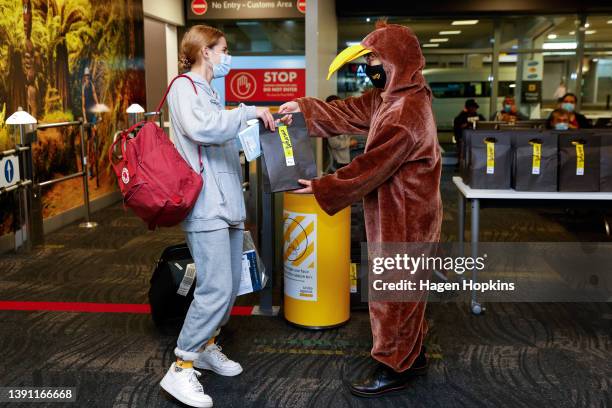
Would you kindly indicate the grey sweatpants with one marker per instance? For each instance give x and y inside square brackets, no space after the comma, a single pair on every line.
[218,261]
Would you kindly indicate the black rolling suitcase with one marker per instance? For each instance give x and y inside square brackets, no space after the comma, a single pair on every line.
[171,290]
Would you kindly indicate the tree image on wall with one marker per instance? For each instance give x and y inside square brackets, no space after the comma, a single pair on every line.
[45,48]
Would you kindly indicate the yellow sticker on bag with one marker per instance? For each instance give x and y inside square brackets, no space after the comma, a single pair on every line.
[579,158]
[490,156]
[537,157]
[283,133]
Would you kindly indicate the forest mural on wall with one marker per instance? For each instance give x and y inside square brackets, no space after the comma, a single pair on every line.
[58,60]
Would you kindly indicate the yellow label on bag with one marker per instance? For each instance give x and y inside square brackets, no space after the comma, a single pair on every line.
[490,156]
[283,133]
[579,158]
[537,157]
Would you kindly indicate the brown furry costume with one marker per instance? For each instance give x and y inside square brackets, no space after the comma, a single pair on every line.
[398,176]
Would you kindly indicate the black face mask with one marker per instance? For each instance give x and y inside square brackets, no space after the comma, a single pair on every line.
[377,75]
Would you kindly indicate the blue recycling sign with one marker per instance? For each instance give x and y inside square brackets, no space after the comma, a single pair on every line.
[9,171]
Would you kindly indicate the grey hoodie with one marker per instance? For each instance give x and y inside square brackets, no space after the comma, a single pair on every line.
[200,121]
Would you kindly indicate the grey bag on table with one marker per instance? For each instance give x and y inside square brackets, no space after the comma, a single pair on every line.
[579,161]
[535,161]
[605,175]
[287,155]
[488,163]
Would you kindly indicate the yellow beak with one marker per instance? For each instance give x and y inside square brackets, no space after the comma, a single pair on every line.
[349,54]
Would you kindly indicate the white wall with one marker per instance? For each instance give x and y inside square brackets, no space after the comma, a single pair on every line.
[169,11]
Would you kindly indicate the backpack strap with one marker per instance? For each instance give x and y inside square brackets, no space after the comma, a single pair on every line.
[163,100]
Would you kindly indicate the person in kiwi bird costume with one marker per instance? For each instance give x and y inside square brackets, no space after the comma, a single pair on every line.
[398,178]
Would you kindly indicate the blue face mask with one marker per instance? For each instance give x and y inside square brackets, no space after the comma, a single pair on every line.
[507,108]
[568,106]
[223,67]
[561,126]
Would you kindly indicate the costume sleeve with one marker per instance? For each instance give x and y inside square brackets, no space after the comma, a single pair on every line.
[367,171]
[351,115]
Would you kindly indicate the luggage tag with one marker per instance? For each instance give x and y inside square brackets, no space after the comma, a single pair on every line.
[490,143]
[579,157]
[187,281]
[249,139]
[283,133]
[537,156]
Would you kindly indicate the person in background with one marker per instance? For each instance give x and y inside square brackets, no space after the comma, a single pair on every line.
[509,112]
[340,146]
[560,91]
[89,98]
[465,120]
[576,119]
[558,120]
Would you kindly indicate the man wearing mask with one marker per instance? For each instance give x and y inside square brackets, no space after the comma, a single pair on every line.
[558,120]
[509,112]
[397,176]
[576,120]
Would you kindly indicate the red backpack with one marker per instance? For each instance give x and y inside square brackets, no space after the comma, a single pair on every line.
[155,180]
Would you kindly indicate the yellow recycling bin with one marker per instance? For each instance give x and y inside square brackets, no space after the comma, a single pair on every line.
[316,260]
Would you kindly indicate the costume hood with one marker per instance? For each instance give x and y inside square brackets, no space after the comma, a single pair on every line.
[398,49]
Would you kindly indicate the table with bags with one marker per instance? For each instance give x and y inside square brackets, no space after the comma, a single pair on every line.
[534,168]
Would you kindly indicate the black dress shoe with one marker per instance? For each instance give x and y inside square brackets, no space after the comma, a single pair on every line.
[384,379]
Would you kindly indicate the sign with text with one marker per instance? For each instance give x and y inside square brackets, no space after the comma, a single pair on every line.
[245,9]
[531,92]
[264,85]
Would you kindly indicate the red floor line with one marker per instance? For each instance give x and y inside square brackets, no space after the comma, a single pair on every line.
[96,307]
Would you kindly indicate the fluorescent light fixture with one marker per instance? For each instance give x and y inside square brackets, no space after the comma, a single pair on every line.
[512,86]
[572,32]
[590,32]
[453,32]
[351,43]
[552,36]
[438,40]
[559,46]
[464,22]
[430,45]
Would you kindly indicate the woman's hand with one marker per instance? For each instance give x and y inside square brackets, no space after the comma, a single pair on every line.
[266,117]
[307,189]
[289,107]
[287,119]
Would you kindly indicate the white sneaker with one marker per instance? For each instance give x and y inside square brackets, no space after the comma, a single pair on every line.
[213,359]
[183,384]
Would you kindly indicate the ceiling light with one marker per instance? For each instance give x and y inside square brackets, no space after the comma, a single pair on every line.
[609,21]
[587,25]
[595,59]
[552,36]
[438,40]
[464,22]
[590,31]
[430,45]
[572,32]
[352,43]
[455,32]
[559,46]
[368,19]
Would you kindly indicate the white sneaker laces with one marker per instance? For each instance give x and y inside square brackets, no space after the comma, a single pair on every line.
[215,350]
[193,380]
